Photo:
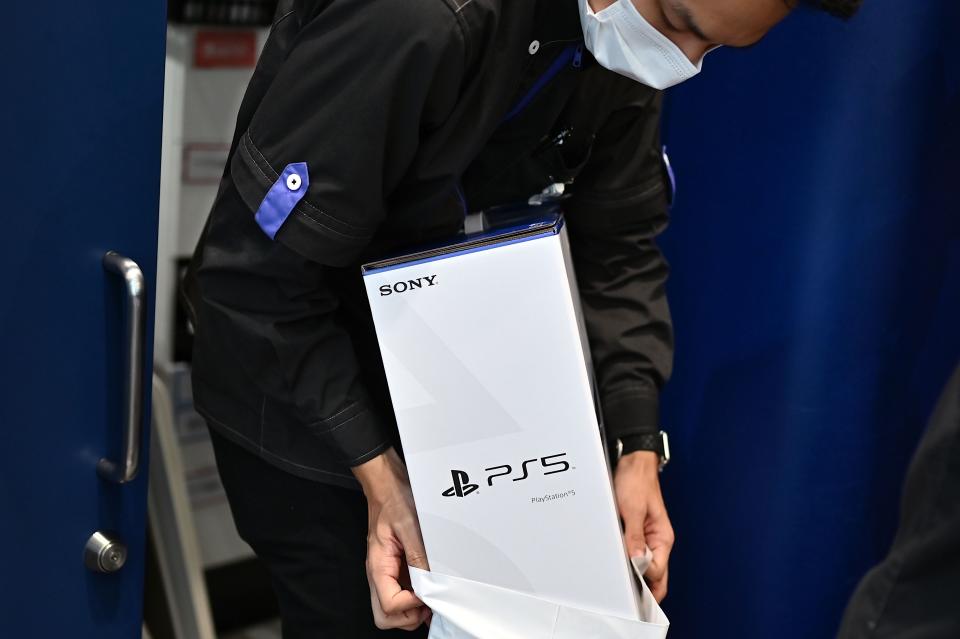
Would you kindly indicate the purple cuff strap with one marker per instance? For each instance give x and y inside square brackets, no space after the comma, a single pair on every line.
[282,197]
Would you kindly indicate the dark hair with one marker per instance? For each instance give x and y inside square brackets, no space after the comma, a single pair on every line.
[840,8]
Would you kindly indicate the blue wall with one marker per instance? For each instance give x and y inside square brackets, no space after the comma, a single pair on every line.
[816,293]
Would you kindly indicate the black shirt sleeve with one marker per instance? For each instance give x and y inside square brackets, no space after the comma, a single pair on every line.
[356,86]
[618,208]
[360,83]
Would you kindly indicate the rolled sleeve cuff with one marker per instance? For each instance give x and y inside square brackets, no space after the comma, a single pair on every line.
[305,228]
[631,412]
[356,434]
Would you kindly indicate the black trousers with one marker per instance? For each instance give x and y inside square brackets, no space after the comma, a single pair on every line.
[915,592]
[312,538]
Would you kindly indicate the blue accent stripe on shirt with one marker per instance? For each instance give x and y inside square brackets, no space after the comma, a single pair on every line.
[570,54]
[280,200]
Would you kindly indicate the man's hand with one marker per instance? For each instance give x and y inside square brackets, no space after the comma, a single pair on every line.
[637,484]
[393,542]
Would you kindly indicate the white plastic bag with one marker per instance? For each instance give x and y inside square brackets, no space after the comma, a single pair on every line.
[464,609]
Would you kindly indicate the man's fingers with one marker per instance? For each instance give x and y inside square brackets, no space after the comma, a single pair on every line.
[644,515]
[383,573]
[658,566]
[393,537]
[412,542]
[633,533]
[658,572]
[417,559]
[412,619]
[387,572]
[658,587]
[659,590]
[655,572]
[406,620]
[394,600]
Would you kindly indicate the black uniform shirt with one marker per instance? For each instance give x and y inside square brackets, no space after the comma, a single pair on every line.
[394,116]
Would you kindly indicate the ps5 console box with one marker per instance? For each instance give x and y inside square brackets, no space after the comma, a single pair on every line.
[490,378]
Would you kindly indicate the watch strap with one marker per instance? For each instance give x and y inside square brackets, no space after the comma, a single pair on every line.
[654,442]
[640,441]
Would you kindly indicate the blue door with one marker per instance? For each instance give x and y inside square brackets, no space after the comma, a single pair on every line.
[81,121]
[816,293]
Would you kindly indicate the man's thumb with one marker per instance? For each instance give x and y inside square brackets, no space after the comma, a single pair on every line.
[413,550]
[633,536]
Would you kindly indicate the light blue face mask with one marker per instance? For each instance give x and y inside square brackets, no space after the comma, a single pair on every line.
[622,40]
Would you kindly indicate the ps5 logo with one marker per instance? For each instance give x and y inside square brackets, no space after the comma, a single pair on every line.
[461,480]
[408,285]
[461,485]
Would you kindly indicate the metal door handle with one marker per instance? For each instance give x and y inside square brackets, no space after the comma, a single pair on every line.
[126,469]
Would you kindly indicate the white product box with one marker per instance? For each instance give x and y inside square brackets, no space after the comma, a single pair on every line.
[490,377]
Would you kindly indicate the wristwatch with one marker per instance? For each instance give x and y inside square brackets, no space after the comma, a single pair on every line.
[658,443]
